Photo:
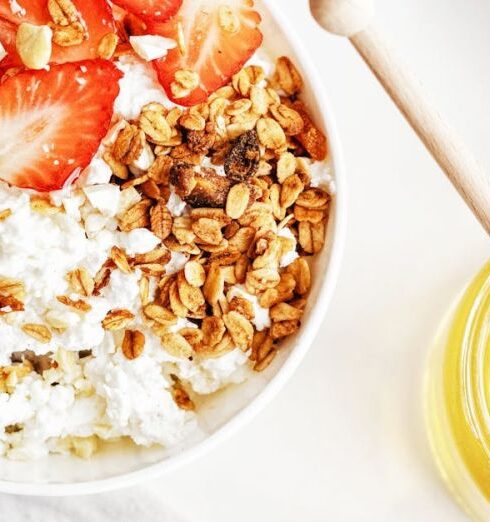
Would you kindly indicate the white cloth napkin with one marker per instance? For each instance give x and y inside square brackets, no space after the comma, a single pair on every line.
[137,504]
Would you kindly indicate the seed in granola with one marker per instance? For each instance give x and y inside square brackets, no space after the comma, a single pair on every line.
[161,220]
[39,332]
[133,344]
[6,213]
[242,160]
[270,133]
[117,319]
[107,46]
[240,329]
[195,274]
[176,345]
[79,304]
[287,76]
[81,281]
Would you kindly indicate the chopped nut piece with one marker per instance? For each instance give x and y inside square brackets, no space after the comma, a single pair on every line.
[117,320]
[133,344]
[242,161]
[81,281]
[312,138]
[37,331]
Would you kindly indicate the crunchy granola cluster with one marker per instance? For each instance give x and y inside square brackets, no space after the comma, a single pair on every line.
[257,135]
[241,164]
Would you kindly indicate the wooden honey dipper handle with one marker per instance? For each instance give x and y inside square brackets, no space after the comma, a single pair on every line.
[353,19]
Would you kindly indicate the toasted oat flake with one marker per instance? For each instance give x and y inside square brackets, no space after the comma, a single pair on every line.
[195,274]
[81,281]
[133,344]
[238,200]
[240,329]
[117,319]
[176,345]
[39,332]
[6,213]
[80,305]
[120,260]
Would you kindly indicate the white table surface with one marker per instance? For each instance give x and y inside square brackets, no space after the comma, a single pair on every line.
[345,440]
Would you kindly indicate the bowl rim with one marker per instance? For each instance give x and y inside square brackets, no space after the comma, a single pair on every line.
[310,329]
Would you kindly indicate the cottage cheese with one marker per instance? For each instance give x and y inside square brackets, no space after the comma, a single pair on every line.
[103,394]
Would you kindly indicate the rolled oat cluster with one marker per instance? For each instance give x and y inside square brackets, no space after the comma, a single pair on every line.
[240,162]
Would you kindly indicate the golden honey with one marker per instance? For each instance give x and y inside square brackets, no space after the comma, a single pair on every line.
[458,398]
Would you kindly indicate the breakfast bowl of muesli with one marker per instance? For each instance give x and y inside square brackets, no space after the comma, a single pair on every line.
[171,224]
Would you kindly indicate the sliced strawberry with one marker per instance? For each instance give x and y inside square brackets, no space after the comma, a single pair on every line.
[52,122]
[160,10]
[211,50]
[96,15]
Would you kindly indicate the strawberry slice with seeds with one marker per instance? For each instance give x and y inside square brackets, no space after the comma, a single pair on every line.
[160,10]
[52,122]
[215,39]
[95,14]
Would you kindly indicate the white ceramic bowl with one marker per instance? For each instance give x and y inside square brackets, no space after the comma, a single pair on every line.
[122,466]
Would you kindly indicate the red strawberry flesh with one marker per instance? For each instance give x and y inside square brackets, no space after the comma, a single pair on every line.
[52,122]
[215,53]
[160,10]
